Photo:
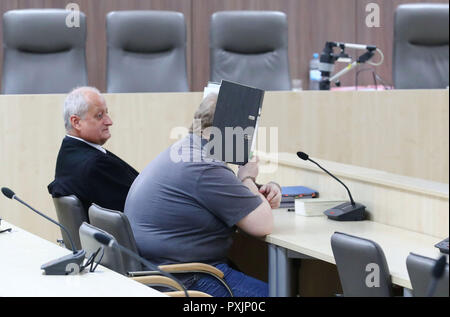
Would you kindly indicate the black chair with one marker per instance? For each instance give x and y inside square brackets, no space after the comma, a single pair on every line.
[419,271]
[421,46]
[112,259]
[251,48]
[146,52]
[117,225]
[359,260]
[41,55]
[71,214]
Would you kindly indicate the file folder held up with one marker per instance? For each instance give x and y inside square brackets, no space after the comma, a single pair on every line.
[236,121]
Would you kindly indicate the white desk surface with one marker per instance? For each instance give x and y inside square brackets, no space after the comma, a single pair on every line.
[312,236]
[22,255]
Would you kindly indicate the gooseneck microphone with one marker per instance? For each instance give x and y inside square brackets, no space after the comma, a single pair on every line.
[344,212]
[105,240]
[11,195]
[69,264]
[436,273]
[305,157]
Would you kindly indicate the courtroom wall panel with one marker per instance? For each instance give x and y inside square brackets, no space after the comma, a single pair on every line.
[402,132]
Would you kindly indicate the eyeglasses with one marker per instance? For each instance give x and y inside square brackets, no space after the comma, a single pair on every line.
[6,230]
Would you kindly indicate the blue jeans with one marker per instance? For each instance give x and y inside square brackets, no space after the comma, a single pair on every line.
[240,284]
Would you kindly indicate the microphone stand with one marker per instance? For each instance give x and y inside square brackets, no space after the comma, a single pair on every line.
[350,211]
[70,264]
[74,250]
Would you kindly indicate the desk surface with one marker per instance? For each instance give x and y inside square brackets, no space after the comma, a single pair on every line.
[22,255]
[312,236]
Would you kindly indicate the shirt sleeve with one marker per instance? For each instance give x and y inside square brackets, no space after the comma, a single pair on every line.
[224,195]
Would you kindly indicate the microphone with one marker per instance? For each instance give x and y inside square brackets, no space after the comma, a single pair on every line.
[436,273]
[351,211]
[108,241]
[69,264]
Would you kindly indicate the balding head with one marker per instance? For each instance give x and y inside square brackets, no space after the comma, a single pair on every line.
[86,115]
[77,103]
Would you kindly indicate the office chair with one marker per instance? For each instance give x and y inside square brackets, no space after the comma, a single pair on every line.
[71,214]
[419,271]
[421,46]
[146,52]
[112,258]
[251,48]
[117,225]
[41,55]
[362,266]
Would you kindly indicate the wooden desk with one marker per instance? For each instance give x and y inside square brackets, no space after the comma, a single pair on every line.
[22,255]
[311,236]
[405,202]
[406,215]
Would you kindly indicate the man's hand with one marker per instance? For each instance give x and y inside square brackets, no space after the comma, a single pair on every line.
[272,193]
[250,169]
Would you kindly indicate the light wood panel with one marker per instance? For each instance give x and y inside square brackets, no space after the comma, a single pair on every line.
[402,132]
[399,201]
[32,130]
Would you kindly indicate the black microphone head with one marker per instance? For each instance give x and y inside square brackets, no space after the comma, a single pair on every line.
[7,192]
[439,267]
[303,156]
[102,238]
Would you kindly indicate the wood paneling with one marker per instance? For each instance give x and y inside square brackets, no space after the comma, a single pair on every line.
[382,36]
[311,24]
[392,131]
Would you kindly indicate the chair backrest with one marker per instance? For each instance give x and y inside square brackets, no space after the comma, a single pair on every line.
[41,54]
[71,214]
[361,265]
[116,224]
[419,271]
[112,257]
[146,52]
[421,46]
[251,48]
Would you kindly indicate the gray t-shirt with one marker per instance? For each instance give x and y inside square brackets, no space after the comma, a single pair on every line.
[183,206]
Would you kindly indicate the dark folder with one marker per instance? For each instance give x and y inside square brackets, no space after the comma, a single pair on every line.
[237,111]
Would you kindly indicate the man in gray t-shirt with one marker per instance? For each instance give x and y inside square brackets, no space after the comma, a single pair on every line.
[184,206]
[185,211]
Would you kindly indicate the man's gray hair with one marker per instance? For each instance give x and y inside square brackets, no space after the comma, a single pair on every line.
[77,104]
[204,116]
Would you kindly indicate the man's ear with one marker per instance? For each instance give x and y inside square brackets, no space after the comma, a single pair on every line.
[75,121]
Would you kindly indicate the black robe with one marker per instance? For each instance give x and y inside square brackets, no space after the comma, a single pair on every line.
[91,175]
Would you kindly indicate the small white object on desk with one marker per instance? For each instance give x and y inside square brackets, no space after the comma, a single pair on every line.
[309,207]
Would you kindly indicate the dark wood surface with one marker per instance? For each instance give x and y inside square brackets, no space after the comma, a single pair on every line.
[311,24]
